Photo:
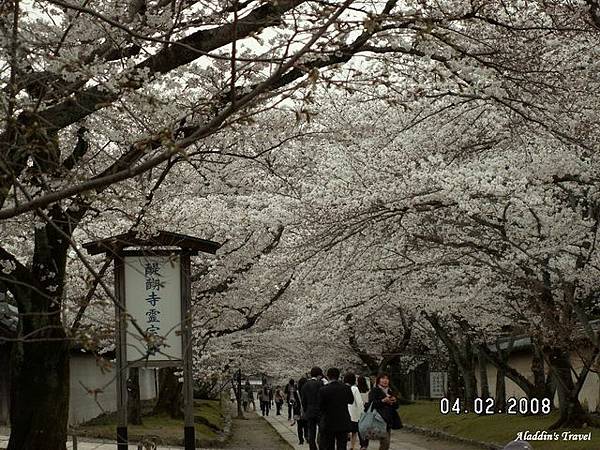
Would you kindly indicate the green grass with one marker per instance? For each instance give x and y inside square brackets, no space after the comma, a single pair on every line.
[207,417]
[498,429]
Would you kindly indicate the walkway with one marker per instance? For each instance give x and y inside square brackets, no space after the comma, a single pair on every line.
[88,445]
[401,440]
[251,433]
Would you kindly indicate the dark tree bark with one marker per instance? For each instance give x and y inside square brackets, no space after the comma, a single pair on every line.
[470,380]
[40,357]
[572,414]
[538,368]
[461,352]
[454,381]
[500,360]
[39,394]
[500,389]
[503,355]
[134,402]
[170,396]
[483,374]
[390,358]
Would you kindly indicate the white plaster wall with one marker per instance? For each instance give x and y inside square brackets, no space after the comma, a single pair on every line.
[87,376]
[519,362]
[148,383]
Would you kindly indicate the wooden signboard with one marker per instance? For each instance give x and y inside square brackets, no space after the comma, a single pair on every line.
[153,317]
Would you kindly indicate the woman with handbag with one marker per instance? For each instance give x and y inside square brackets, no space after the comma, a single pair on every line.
[384,401]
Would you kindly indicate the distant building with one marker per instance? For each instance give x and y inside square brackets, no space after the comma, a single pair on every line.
[521,358]
[256,380]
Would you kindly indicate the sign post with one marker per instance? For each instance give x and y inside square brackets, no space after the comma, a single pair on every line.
[188,385]
[153,312]
[121,352]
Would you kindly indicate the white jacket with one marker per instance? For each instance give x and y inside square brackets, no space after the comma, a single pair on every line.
[357,408]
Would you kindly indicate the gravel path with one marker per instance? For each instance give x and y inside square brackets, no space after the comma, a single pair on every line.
[253,433]
[401,440]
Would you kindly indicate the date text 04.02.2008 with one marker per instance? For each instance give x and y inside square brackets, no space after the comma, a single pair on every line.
[487,406]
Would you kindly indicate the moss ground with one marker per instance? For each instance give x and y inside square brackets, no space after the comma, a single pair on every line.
[208,419]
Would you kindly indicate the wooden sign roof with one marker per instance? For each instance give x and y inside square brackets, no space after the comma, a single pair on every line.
[115,244]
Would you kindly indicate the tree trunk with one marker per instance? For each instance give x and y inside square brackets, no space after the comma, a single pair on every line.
[170,396]
[39,407]
[461,352]
[454,385]
[500,360]
[470,381]
[466,365]
[572,414]
[483,374]
[597,410]
[134,402]
[500,389]
[40,378]
[551,387]
[539,375]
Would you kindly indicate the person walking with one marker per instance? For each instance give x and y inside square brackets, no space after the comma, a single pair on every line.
[363,388]
[355,409]
[385,402]
[301,423]
[279,395]
[265,399]
[335,423]
[310,405]
[245,400]
[248,389]
[290,390]
[270,396]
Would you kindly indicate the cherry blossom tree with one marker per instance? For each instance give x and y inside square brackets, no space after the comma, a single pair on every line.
[86,107]
[490,159]
[486,213]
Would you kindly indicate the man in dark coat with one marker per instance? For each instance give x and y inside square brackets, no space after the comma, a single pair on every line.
[334,399]
[310,405]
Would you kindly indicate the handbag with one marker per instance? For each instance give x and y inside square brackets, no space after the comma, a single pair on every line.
[371,425]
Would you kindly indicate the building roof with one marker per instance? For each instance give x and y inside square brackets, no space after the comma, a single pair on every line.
[519,342]
[117,243]
[524,342]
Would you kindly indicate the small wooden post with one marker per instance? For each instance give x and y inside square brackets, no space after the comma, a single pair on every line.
[188,381]
[121,351]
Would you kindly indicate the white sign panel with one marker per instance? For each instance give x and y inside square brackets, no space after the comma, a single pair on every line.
[437,384]
[153,300]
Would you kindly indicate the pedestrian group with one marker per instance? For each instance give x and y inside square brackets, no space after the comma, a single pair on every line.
[327,410]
